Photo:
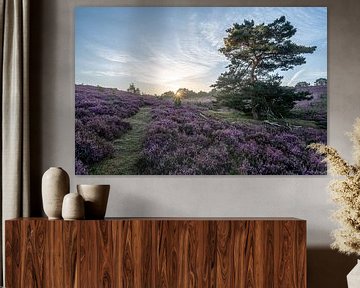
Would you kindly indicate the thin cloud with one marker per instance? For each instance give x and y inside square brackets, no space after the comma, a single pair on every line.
[295,77]
[107,73]
[111,54]
[305,75]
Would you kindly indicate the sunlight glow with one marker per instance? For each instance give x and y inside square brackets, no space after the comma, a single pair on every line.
[179,94]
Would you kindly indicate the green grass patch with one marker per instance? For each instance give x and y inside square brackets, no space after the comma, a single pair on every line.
[301,122]
[127,148]
[230,116]
[239,117]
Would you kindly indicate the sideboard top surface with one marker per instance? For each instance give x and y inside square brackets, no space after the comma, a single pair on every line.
[175,219]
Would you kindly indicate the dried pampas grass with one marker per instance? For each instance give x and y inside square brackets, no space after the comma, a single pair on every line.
[345,191]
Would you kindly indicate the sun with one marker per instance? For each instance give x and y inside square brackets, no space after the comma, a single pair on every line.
[179,93]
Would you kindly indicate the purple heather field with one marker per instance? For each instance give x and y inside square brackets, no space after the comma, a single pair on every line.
[119,132]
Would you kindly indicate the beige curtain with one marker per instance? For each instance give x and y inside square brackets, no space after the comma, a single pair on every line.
[14,27]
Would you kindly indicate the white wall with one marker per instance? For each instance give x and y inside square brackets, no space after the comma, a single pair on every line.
[298,196]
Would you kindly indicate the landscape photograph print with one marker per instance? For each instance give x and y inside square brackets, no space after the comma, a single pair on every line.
[200,90]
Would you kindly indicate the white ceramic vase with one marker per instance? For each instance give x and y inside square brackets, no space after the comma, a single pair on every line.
[353,278]
[96,198]
[55,185]
[73,207]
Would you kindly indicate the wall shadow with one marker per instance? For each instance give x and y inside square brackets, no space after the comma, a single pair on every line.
[35,106]
[328,268]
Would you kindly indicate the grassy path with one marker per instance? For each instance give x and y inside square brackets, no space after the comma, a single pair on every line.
[127,148]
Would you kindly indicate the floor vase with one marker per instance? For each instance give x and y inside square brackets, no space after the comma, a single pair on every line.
[353,278]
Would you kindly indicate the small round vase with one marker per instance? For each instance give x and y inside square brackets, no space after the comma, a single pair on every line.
[96,198]
[73,207]
[55,185]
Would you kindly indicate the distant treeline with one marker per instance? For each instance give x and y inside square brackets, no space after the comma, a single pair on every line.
[318,82]
[185,93]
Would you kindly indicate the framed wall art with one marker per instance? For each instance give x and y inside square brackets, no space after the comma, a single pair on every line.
[200,90]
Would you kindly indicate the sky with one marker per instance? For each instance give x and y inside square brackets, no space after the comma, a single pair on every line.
[167,48]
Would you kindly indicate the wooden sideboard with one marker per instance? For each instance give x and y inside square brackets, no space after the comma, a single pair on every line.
[156,252]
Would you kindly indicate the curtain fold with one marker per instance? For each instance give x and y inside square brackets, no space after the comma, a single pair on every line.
[15,163]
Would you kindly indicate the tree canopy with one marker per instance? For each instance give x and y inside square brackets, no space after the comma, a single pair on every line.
[185,93]
[320,82]
[168,94]
[255,52]
[133,89]
[302,84]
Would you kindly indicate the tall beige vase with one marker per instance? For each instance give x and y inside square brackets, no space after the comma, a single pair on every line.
[96,198]
[55,185]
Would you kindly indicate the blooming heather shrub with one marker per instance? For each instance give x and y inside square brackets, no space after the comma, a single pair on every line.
[315,109]
[89,147]
[108,127]
[100,114]
[80,168]
[181,141]
[89,102]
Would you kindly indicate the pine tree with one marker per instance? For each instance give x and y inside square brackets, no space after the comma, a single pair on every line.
[255,52]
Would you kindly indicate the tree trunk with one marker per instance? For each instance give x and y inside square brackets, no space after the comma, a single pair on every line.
[255,63]
[252,74]
[255,113]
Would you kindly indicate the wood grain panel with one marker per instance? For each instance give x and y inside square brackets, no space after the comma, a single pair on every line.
[71,248]
[211,248]
[169,253]
[105,258]
[192,253]
[88,254]
[147,261]
[55,252]
[12,252]
[162,247]
[286,251]
[268,254]
[127,261]
[116,231]
[224,256]
[96,254]
[33,254]
[244,254]
[301,254]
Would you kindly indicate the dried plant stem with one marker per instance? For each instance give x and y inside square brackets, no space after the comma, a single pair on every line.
[345,191]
